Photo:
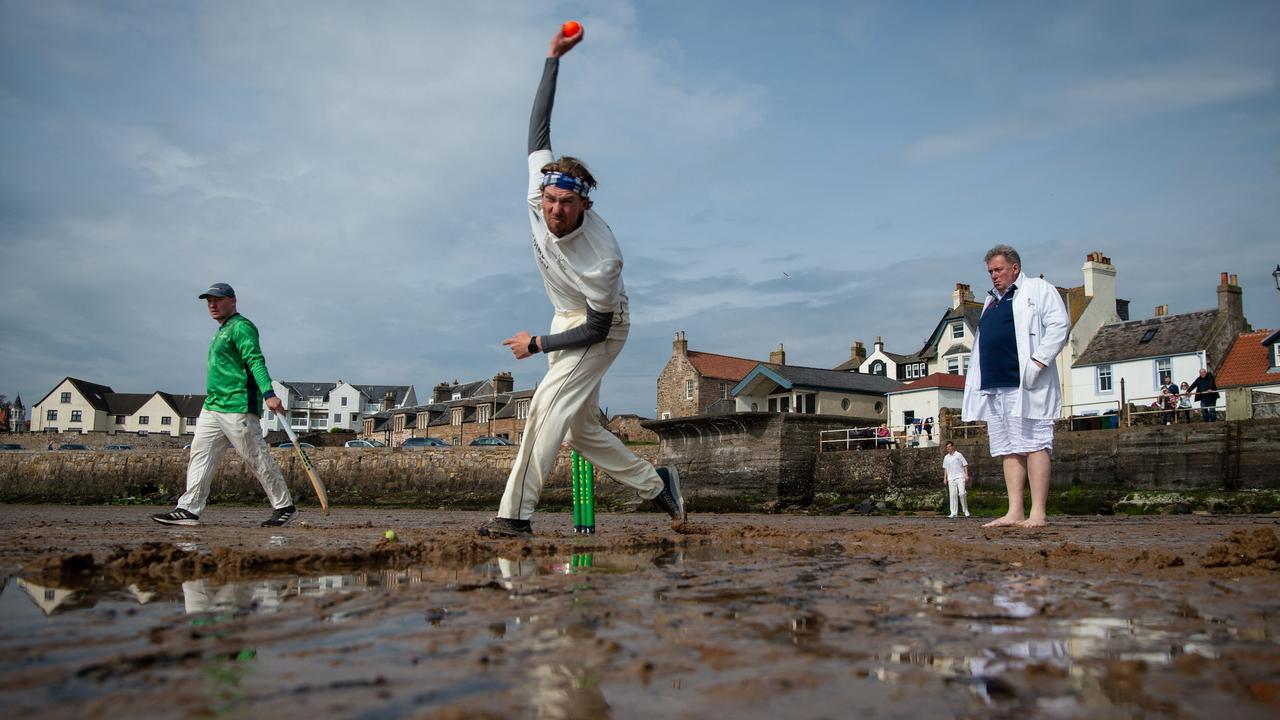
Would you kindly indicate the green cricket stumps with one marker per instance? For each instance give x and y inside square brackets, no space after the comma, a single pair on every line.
[584,496]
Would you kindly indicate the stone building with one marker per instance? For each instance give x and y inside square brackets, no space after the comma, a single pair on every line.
[628,428]
[699,383]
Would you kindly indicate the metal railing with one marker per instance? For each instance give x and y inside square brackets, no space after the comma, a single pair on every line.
[1154,405]
[845,439]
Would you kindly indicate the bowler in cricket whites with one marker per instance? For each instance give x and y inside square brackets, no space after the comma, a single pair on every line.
[581,266]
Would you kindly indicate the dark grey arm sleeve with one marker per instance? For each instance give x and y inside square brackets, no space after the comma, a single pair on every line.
[594,330]
[540,118]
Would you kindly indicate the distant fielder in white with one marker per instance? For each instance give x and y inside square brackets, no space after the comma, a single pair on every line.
[581,266]
[1013,379]
[955,475]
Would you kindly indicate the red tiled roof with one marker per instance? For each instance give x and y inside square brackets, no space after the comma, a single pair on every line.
[945,381]
[721,367]
[1247,362]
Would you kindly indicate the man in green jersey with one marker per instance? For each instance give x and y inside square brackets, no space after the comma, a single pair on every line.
[238,384]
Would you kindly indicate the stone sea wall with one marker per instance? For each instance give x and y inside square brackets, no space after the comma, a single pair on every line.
[745,461]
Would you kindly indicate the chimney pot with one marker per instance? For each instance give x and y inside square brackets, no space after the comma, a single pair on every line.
[1222,279]
[1235,280]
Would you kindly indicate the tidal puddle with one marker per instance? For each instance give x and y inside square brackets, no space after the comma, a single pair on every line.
[809,632]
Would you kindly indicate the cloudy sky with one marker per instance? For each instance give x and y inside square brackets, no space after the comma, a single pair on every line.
[804,173]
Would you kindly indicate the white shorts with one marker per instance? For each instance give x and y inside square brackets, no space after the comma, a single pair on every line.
[1011,435]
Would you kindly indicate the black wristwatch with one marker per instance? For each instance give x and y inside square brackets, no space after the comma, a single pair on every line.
[533,345]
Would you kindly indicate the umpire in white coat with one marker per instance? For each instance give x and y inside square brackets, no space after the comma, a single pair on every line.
[1012,382]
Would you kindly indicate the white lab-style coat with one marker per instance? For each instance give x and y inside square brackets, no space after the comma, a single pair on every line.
[1041,325]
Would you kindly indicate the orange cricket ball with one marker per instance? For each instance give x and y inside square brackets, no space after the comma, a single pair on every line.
[571,28]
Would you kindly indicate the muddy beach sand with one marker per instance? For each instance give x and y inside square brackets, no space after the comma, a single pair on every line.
[105,614]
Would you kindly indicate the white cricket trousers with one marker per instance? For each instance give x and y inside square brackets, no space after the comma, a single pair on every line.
[955,487]
[215,432]
[566,407]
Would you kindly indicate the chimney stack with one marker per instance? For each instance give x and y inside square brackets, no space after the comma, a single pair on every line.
[680,347]
[779,356]
[1100,279]
[441,393]
[960,295]
[388,400]
[503,382]
[857,354]
[1231,300]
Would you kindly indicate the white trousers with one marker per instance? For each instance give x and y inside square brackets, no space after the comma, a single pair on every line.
[955,487]
[566,408]
[215,432]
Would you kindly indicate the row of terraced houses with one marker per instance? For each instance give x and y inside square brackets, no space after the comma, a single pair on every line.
[1106,355]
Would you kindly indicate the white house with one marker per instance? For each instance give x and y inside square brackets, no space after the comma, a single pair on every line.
[925,398]
[1147,354]
[793,388]
[342,405]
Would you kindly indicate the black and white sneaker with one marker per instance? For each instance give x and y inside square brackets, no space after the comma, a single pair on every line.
[280,517]
[177,517]
[670,500]
[506,527]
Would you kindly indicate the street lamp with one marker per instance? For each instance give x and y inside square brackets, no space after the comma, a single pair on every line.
[1276,275]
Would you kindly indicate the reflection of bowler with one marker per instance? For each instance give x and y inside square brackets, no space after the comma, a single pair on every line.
[1013,379]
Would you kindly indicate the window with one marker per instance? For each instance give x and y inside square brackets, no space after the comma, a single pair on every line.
[457,396]
[1164,372]
[964,364]
[75,415]
[957,330]
[780,404]
[844,403]
[915,370]
[144,419]
[1275,355]
[724,391]
[1104,378]
[482,413]
[522,409]
[879,407]
[50,415]
[66,398]
[877,367]
[166,420]
[322,421]
[455,417]
[807,403]
[688,389]
[519,437]
[953,365]
[667,415]
[1146,336]
[192,420]
[344,404]
[120,419]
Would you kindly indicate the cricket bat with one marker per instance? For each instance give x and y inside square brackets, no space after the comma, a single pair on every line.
[321,494]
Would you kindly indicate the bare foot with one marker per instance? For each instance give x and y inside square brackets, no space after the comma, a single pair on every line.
[1033,522]
[1006,521]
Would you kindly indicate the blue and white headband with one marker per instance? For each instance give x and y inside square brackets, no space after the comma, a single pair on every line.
[565,182]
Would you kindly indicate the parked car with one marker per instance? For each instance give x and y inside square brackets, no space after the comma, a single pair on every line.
[119,447]
[417,442]
[487,440]
[363,444]
[303,445]
[73,446]
[10,446]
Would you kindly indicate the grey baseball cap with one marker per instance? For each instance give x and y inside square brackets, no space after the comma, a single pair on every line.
[218,290]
